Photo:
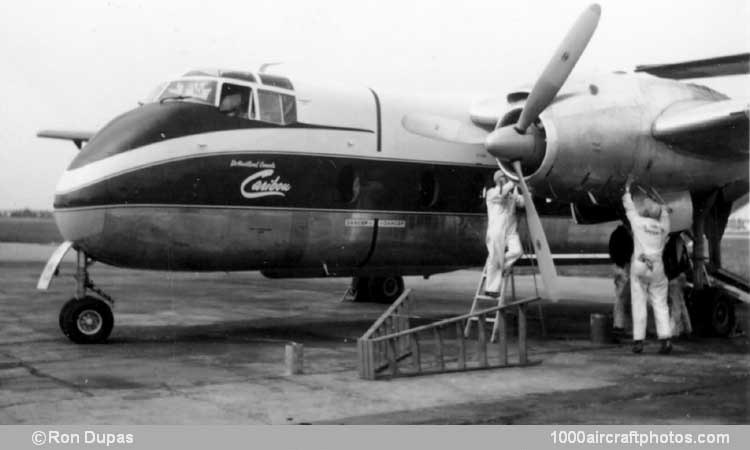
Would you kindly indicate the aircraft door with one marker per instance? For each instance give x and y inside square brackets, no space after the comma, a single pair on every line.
[340,239]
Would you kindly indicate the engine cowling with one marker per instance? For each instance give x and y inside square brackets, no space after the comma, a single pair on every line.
[680,205]
[594,135]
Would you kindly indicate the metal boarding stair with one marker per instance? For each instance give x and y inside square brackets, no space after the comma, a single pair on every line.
[508,276]
[393,347]
[479,295]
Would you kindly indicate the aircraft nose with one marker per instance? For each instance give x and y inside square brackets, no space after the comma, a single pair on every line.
[142,126]
[109,151]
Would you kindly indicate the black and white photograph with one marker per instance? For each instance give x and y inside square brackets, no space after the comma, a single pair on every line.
[362,213]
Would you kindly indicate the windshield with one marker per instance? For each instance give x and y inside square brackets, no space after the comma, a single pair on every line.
[199,90]
[153,94]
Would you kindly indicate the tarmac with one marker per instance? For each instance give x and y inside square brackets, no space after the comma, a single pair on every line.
[192,348]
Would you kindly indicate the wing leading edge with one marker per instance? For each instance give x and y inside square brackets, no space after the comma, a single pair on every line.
[701,68]
[711,129]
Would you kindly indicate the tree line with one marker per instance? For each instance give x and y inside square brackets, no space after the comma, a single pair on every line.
[26,212]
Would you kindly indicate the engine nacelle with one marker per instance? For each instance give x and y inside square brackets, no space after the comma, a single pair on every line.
[596,134]
[680,205]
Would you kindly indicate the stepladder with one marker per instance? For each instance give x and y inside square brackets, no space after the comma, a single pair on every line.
[480,296]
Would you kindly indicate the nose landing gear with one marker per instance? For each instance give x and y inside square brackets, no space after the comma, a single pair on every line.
[87,318]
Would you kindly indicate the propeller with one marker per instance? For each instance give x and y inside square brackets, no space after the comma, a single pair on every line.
[511,142]
[516,143]
[538,238]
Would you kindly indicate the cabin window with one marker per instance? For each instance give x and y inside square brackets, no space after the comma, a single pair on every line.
[276,107]
[477,189]
[348,184]
[196,90]
[235,100]
[428,189]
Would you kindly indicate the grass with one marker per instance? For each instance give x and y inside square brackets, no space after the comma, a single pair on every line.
[735,254]
[29,230]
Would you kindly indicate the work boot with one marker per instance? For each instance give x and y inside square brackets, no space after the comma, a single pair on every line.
[618,335]
[637,346]
[666,347]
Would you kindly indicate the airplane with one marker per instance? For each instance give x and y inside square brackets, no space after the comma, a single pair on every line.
[237,170]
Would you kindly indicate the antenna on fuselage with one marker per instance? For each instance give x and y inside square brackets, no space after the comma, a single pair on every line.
[265,66]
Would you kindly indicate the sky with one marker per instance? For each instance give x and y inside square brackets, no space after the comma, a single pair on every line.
[78,64]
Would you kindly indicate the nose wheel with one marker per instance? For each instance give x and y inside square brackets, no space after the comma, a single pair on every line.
[87,320]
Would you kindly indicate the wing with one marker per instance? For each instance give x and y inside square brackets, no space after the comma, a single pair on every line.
[701,68]
[78,137]
[709,129]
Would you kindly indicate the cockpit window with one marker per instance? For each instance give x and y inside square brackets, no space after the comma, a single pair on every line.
[153,95]
[198,90]
[289,108]
[235,100]
[277,81]
[276,107]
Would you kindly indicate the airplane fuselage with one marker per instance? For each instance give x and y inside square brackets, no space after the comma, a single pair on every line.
[329,184]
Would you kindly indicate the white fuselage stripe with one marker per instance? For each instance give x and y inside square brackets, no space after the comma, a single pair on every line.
[302,141]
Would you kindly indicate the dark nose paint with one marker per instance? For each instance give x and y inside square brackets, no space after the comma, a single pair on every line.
[157,122]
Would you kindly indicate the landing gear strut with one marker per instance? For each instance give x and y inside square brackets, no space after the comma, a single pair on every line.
[377,289]
[86,318]
[712,310]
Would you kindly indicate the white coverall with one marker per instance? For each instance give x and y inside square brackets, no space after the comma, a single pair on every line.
[502,232]
[679,315]
[647,279]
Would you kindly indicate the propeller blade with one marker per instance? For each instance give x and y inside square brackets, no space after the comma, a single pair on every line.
[443,129]
[539,239]
[559,67]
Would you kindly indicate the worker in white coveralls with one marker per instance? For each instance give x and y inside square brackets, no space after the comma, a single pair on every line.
[649,223]
[503,242]
[676,266]
[621,252]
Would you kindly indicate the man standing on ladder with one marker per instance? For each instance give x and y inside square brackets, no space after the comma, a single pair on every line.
[502,231]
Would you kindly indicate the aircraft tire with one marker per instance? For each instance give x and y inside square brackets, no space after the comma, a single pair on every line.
[385,289]
[712,313]
[86,321]
[361,294]
[721,318]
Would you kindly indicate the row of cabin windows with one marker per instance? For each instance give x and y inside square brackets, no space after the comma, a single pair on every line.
[275,107]
[427,191]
